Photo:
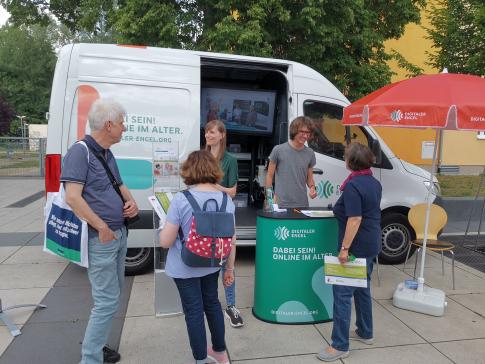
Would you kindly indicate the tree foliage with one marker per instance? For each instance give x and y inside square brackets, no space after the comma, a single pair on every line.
[27,62]
[343,40]
[458,33]
[77,15]
[150,23]
[403,63]
[7,114]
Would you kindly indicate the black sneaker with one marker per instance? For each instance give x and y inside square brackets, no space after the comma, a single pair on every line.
[234,316]
[110,355]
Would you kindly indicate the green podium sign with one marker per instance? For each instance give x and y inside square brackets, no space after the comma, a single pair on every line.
[289,281]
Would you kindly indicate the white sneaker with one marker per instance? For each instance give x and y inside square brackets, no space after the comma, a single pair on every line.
[217,357]
[205,361]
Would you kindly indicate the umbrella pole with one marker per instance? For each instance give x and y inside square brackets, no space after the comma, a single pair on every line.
[428,210]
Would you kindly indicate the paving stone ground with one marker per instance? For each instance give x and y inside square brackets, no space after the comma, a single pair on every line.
[53,335]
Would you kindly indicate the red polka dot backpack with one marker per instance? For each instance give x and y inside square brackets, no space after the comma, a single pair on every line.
[210,237]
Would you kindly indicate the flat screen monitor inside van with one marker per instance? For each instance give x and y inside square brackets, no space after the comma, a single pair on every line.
[242,111]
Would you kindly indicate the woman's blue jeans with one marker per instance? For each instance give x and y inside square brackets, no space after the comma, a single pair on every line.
[199,296]
[230,291]
[342,301]
[107,274]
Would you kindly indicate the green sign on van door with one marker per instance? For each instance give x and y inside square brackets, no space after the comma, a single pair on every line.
[289,282]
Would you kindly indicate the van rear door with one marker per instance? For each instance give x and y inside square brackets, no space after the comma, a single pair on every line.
[160,90]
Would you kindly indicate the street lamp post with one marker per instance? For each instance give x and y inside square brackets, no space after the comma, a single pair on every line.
[22,130]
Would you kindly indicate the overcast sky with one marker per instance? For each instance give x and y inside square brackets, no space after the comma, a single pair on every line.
[3,15]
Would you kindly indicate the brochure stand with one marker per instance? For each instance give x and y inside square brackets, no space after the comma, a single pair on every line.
[166,182]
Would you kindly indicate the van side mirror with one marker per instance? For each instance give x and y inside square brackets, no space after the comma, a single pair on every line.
[375,146]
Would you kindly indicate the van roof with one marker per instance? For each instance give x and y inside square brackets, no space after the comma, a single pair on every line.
[305,79]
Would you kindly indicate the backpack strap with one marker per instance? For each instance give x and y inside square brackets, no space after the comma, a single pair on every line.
[224,202]
[213,200]
[195,206]
[116,185]
[192,201]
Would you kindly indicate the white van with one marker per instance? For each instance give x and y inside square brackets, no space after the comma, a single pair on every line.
[169,95]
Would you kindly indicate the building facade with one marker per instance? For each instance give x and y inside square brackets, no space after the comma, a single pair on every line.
[462,151]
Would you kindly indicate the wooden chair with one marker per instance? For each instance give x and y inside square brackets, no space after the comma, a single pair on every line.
[437,221]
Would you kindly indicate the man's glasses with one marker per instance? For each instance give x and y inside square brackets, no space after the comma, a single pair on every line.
[305,132]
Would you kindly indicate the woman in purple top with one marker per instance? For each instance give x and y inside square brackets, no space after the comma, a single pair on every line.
[358,215]
[198,286]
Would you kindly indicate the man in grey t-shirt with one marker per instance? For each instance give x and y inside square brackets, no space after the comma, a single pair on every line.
[293,163]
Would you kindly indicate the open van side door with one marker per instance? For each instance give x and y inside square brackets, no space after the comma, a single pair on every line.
[329,140]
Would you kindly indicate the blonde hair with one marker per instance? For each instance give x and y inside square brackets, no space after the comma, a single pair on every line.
[201,167]
[221,128]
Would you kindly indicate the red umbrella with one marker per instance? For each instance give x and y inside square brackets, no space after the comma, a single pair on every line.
[445,100]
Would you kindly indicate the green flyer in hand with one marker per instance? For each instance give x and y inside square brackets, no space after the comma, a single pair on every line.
[160,203]
[349,274]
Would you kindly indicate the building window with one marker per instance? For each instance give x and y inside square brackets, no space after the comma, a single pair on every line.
[481,135]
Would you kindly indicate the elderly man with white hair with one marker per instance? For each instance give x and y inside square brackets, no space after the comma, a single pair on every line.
[105,206]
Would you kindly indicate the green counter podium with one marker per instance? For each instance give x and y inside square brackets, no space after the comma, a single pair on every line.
[289,281]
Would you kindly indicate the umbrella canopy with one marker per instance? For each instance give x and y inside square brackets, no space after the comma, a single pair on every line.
[445,100]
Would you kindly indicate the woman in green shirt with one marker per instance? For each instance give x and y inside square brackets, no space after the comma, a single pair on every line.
[215,142]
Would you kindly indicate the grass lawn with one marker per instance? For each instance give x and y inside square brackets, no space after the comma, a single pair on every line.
[460,186]
[13,164]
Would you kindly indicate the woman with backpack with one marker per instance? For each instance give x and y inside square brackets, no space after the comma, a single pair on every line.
[198,285]
[215,142]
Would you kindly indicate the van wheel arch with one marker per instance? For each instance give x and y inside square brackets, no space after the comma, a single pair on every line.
[138,261]
[396,234]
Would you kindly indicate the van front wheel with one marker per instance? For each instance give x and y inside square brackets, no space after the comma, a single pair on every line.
[138,261]
[396,234]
